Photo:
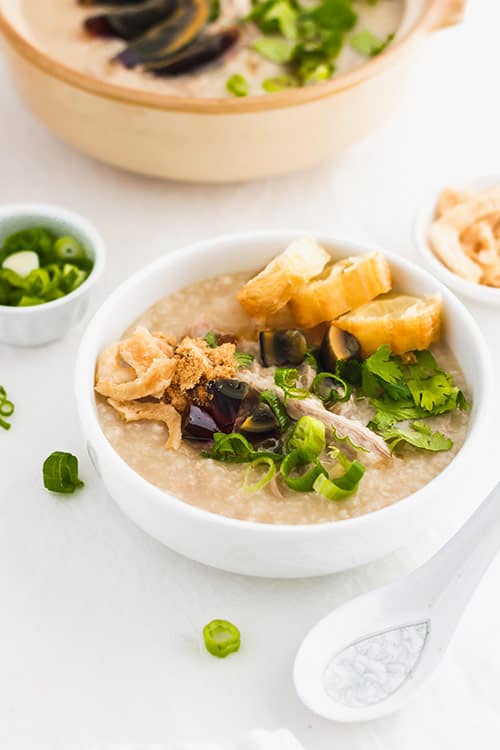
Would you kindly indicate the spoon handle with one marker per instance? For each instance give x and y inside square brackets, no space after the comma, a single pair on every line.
[449,579]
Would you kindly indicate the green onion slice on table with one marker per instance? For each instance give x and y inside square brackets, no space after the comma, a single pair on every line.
[60,473]
[221,638]
[6,408]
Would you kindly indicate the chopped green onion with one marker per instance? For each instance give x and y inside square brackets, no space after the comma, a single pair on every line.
[311,358]
[271,399]
[286,379]
[29,301]
[68,249]
[237,85]
[60,473]
[22,262]
[274,48]
[308,435]
[36,267]
[72,277]
[214,10]
[6,408]
[256,464]
[367,43]
[301,458]
[279,83]
[341,487]
[332,395]
[243,359]
[211,339]
[221,638]
[234,448]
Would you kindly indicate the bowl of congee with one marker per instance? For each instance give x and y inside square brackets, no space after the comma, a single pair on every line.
[216,90]
[276,404]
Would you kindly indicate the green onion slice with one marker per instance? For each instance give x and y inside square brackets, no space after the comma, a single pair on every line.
[68,249]
[256,464]
[6,408]
[309,434]
[60,473]
[301,458]
[221,638]
[286,378]
[342,487]
[330,396]
[211,339]
[271,399]
[234,448]
[243,359]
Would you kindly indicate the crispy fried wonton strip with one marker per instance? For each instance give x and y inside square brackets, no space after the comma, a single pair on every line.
[110,366]
[449,198]
[142,348]
[135,412]
[444,234]
[152,383]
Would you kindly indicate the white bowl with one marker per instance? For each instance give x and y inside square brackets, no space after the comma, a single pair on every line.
[40,324]
[262,549]
[484,294]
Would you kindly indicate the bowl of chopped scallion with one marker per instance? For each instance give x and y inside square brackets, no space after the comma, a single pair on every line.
[50,261]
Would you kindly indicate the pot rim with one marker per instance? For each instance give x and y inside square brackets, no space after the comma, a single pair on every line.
[236,105]
[95,437]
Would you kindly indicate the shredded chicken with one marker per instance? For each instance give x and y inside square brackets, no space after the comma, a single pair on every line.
[262,379]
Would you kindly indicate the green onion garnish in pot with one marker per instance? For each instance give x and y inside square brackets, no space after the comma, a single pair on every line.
[221,638]
[60,473]
[37,267]
[6,409]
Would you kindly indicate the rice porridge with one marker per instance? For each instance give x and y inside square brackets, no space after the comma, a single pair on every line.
[57,26]
[217,485]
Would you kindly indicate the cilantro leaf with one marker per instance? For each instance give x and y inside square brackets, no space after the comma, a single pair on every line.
[419,435]
[384,365]
[389,412]
[433,392]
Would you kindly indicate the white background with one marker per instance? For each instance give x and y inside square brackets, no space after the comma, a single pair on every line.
[100,625]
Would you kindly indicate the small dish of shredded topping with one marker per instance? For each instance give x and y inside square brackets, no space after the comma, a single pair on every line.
[458,233]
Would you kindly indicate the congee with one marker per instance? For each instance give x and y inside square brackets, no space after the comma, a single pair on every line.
[309,392]
[213,48]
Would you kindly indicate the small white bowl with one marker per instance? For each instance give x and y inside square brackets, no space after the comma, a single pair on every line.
[40,324]
[280,550]
[477,292]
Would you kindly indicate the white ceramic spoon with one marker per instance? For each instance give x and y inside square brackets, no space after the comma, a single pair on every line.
[367,658]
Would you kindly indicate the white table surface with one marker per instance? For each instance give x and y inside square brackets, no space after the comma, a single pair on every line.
[99,624]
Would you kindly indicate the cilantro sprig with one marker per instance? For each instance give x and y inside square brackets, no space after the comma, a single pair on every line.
[407,391]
